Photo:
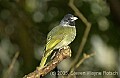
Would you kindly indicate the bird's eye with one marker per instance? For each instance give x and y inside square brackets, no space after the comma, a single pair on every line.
[69,18]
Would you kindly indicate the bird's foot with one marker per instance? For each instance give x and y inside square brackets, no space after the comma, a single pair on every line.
[64,47]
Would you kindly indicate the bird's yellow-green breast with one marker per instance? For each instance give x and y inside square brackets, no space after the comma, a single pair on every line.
[60,36]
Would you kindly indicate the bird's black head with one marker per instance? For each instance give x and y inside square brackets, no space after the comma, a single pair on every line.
[68,20]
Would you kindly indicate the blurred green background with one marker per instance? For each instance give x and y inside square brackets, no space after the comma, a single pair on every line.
[24,25]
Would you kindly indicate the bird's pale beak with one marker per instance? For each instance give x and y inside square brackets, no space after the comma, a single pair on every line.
[74,18]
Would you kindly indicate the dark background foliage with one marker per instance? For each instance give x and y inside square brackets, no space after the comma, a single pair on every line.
[24,25]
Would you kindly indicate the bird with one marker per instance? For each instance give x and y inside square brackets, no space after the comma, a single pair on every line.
[60,36]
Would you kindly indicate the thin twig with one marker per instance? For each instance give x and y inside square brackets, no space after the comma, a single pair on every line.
[9,70]
[86,32]
[40,72]
[85,56]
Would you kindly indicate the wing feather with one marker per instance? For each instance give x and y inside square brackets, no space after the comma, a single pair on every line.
[54,38]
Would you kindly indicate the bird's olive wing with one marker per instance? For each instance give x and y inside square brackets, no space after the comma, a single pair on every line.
[54,37]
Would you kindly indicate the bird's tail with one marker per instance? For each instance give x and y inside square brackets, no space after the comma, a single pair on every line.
[44,58]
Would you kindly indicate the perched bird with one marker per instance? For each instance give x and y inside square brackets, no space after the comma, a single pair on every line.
[60,36]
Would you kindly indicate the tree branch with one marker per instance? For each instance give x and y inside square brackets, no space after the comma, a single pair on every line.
[86,32]
[61,55]
[85,56]
[9,70]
